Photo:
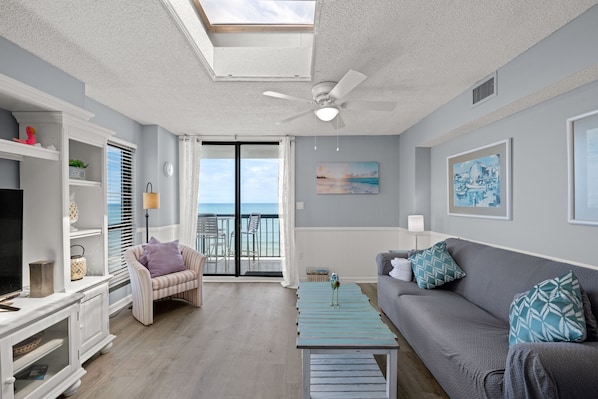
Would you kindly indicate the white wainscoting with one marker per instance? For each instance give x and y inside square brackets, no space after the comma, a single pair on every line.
[349,251]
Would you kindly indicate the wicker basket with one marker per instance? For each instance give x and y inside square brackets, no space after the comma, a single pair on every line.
[27,345]
[317,274]
[78,265]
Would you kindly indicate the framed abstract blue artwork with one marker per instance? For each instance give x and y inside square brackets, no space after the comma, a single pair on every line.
[479,182]
[582,132]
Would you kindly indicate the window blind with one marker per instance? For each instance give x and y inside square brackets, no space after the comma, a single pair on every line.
[121,222]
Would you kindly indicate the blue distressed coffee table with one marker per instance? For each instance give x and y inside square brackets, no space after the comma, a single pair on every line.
[338,344]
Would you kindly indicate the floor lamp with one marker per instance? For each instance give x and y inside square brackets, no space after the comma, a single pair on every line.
[151,200]
[415,224]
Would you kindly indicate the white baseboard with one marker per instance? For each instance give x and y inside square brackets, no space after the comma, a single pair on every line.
[119,305]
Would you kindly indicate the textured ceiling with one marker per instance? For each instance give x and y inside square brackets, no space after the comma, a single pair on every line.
[133,58]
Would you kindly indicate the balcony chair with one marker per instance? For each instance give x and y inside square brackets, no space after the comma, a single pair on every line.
[186,284]
[210,238]
[253,227]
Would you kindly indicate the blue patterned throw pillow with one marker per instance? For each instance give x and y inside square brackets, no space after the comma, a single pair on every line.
[435,266]
[551,311]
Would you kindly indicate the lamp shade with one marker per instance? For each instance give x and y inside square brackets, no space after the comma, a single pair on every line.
[415,223]
[151,201]
[326,114]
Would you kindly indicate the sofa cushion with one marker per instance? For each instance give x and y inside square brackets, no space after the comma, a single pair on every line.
[164,258]
[463,346]
[495,275]
[551,311]
[435,266]
[591,322]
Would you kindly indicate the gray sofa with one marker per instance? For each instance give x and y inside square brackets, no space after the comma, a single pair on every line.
[460,330]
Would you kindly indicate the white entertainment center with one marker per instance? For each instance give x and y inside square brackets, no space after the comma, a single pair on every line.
[73,323]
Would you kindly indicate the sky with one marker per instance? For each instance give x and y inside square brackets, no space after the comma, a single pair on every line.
[259,11]
[259,181]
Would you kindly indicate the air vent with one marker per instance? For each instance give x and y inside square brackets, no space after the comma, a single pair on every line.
[484,90]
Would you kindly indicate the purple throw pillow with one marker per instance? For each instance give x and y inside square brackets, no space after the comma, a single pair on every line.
[164,258]
[143,258]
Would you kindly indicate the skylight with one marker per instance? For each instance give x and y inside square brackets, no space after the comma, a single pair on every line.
[250,40]
[236,15]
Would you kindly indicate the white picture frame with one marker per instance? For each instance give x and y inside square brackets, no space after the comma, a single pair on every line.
[479,182]
[582,151]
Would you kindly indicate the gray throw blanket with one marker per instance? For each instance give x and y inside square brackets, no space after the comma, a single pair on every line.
[526,377]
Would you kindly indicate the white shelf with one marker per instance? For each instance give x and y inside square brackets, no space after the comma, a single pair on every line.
[50,342]
[84,183]
[85,233]
[87,282]
[13,150]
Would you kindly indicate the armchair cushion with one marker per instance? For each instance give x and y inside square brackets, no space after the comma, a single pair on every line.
[143,258]
[164,258]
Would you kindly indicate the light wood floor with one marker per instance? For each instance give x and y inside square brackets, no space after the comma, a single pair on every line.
[240,344]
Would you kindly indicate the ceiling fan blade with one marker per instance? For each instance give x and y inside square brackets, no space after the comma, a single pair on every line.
[351,80]
[299,115]
[286,97]
[386,106]
[338,122]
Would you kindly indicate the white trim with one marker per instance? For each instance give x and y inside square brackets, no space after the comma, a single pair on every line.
[26,98]
[119,305]
[121,142]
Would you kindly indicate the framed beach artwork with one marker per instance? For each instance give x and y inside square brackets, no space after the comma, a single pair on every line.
[347,178]
[582,143]
[479,182]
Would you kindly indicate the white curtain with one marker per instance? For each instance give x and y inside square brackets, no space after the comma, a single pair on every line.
[286,201]
[189,157]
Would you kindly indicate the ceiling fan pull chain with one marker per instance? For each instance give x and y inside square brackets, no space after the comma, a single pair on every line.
[337,148]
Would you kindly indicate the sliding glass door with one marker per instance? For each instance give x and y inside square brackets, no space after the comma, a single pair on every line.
[238,226]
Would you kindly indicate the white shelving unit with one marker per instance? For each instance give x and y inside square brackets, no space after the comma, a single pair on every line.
[44,179]
[56,354]
[74,138]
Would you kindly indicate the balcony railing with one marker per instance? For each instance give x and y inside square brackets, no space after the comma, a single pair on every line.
[267,240]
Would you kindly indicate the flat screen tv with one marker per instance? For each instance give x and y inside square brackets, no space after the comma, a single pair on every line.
[11,242]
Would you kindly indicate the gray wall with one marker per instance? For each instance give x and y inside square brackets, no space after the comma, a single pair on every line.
[539,184]
[158,146]
[539,146]
[9,170]
[27,68]
[358,210]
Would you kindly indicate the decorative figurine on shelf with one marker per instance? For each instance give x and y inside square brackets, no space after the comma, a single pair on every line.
[30,136]
[334,284]
[73,212]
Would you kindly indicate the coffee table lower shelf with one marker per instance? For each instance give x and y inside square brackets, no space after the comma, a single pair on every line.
[346,376]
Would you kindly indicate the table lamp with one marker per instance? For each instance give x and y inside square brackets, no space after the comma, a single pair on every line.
[415,224]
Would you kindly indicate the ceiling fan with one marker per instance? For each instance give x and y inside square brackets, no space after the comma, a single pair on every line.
[327,99]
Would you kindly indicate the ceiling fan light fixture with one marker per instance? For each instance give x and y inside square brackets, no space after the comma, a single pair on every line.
[327,114]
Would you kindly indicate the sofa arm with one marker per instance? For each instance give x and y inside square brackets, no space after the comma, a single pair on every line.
[552,370]
[383,260]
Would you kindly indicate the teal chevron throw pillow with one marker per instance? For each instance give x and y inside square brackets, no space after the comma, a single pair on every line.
[435,266]
[551,311]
